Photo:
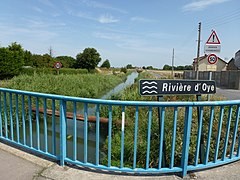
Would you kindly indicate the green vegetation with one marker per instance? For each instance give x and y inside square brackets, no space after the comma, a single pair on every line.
[106,64]
[132,93]
[11,60]
[124,70]
[180,68]
[85,85]
[67,61]
[88,59]
[40,71]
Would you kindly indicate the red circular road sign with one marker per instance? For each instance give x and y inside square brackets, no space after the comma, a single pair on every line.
[57,65]
[212,59]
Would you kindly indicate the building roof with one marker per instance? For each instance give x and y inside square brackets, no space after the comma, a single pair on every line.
[203,57]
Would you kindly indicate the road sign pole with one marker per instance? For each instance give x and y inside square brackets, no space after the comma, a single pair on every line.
[201,151]
[198,50]
[210,78]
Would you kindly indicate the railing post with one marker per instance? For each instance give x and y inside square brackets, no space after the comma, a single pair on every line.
[186,139]
[62,131]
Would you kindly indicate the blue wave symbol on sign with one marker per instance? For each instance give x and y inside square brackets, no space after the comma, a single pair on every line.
[148,86]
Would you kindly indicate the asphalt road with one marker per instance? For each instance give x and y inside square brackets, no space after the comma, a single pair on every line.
[229,94]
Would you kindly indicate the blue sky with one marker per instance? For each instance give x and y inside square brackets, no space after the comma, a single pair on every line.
[137,32]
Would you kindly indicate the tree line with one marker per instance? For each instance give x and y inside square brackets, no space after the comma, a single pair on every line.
[13,58]
[180,68]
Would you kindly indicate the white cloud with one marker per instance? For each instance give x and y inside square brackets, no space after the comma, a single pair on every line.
[95,4]
[106,18]
[130,42]
[201,4]
[142,19]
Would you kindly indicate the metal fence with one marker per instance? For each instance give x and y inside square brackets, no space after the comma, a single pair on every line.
[224,79]
[124,136]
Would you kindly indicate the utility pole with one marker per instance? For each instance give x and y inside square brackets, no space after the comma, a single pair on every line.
[198,50]
[173,63]
[51,51]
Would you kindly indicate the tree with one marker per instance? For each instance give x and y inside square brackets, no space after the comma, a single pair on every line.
[48,60]
[67,61]
[28,58]
[129,66]
[42,61]
[167,67]
[88,59]
[124,70]
[11,60]
[106,64]
[150,67]
[38,61]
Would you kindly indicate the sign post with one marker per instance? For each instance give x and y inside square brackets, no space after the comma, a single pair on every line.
[58,65]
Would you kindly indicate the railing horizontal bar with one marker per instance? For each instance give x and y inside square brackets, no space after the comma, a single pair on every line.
[213,164]
[126,103]
[114,168]
[40,152]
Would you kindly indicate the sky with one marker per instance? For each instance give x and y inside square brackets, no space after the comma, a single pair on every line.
[137,32]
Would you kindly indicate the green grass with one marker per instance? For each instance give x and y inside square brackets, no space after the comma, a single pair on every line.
[84,85]
[132,94]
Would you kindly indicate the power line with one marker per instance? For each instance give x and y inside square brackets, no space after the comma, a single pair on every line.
[223,16]
[222,20]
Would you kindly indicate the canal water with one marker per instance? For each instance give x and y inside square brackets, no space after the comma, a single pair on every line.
[55,138]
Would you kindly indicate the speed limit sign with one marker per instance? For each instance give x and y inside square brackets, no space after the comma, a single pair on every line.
[212,59]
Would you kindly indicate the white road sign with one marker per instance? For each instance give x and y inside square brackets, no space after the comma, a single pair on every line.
[213,44]
[212,48]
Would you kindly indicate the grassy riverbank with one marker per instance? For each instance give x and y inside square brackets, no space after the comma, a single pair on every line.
[84,85]
[132,93]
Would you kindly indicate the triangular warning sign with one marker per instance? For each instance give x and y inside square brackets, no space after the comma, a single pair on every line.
[213,39]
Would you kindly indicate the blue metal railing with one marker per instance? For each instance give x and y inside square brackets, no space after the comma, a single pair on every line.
[193,141]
